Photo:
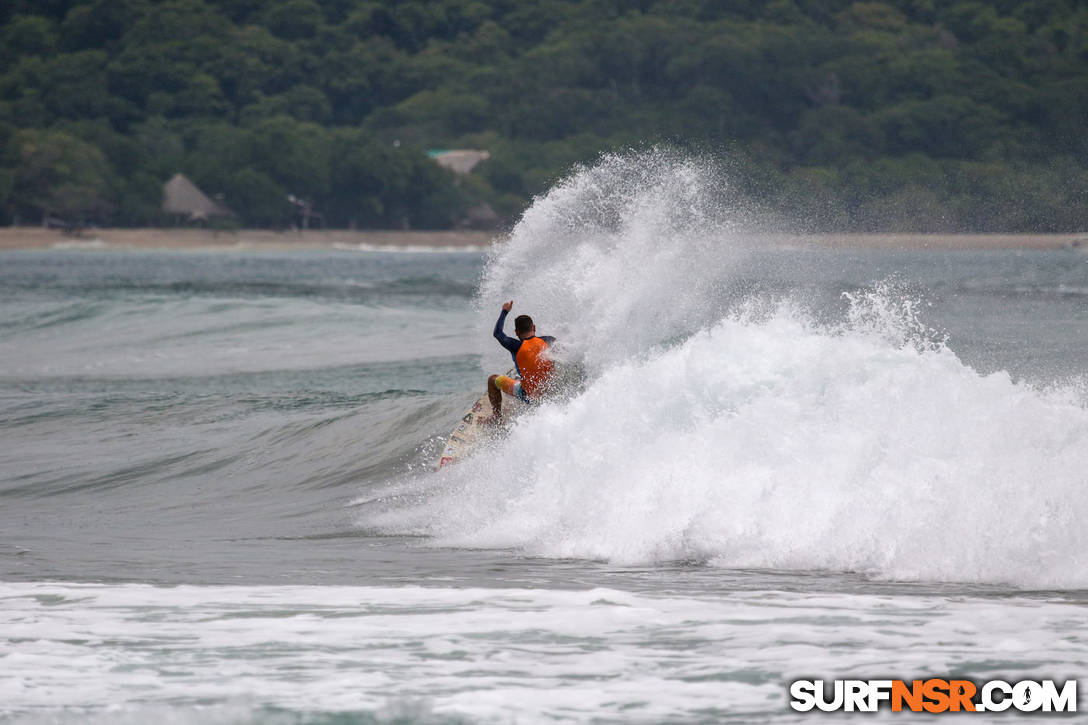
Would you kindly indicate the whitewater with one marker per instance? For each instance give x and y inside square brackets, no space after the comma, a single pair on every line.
[748,430]
[218,500]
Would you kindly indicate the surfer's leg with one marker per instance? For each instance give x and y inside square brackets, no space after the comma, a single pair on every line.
[508,385]
[494,394]
[496,386]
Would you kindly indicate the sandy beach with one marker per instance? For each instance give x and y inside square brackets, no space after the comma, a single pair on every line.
[40,238]
[150,238]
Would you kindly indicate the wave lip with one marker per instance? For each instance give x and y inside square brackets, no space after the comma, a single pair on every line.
[621,256]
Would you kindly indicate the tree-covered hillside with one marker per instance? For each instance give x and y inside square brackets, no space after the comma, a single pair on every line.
[923,115]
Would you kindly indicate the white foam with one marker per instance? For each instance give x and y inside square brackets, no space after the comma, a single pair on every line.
[765,439]
[119,653]
[620,257]
[81,244]
[782,444]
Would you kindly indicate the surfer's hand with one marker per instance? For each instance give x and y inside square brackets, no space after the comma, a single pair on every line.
[507,305]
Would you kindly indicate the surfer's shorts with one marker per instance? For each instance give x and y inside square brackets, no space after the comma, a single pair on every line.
[511,386]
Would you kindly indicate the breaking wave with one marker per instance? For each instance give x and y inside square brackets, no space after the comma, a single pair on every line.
[746,430]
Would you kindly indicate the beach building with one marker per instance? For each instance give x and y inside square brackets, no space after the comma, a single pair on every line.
[184,200]
[459,161]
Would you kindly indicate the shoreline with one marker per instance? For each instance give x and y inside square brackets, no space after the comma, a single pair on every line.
[13,238]
[157,238]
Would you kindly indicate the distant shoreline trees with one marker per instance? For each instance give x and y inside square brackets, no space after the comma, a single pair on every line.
[903,115]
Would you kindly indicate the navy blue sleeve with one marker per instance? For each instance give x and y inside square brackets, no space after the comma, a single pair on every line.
[510,343]
[547,338]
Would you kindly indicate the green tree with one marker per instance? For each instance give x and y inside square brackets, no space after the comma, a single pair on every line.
[293,19]
[835,134]
[363,170]
[946,126]
[304,103]
[257,199]
[293,154]
[59,175]
[27,35]
[75,86]
[253,63]
[880,108]
[201,96]
[99,25]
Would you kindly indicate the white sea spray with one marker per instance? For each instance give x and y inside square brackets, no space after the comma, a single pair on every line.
[745,432]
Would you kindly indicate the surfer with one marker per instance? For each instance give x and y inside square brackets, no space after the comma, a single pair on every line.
[530,359]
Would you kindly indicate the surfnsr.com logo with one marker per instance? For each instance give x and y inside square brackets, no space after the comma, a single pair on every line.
[933,695]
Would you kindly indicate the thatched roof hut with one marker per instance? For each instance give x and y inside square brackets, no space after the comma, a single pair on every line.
[460,161]
[182,198]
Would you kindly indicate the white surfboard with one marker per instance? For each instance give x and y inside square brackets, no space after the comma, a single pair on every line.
[469,433]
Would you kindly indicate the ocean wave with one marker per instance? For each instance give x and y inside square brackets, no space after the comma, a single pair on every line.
[782,444]
[240,445]
[750,430]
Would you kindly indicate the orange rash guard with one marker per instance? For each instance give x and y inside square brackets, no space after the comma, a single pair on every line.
[533,367]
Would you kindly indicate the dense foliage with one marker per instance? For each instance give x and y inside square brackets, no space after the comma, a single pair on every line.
[918,115]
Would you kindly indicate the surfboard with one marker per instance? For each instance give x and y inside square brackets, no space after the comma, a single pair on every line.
[468,434]
[566,378]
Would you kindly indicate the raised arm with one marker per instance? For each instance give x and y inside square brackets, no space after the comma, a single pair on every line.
[510,343]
